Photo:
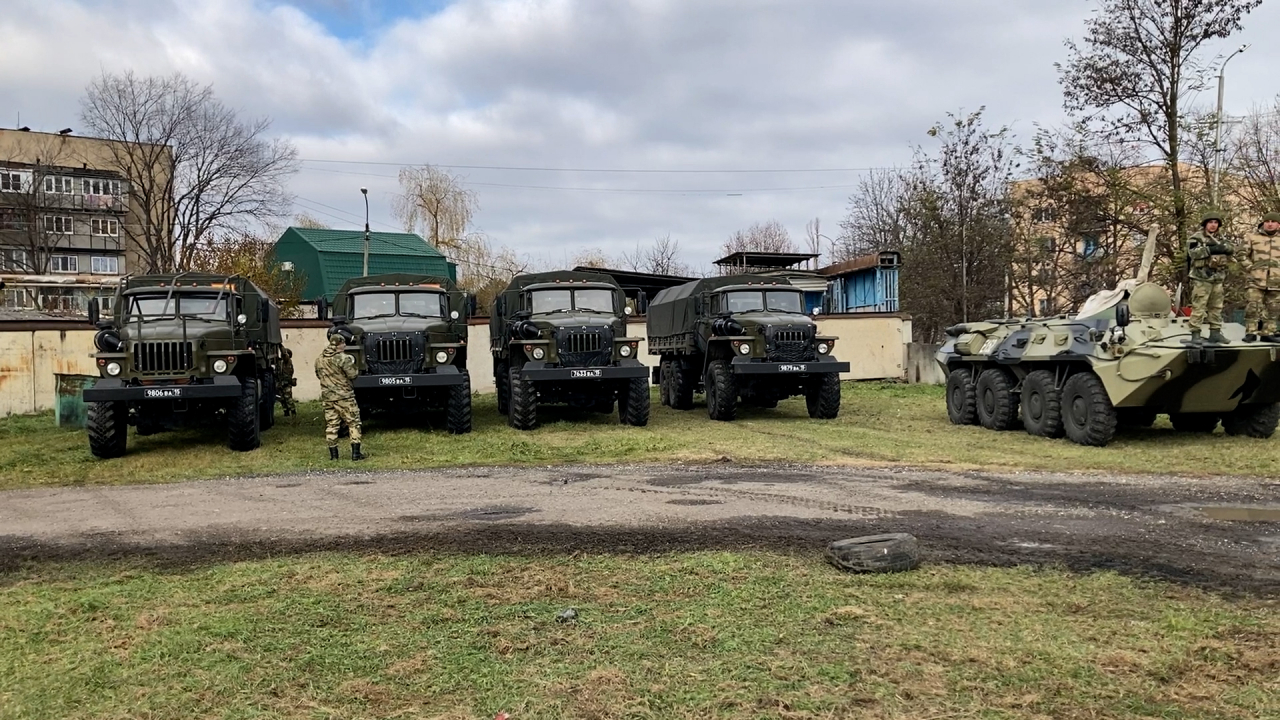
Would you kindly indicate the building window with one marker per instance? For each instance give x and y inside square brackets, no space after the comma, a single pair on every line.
[64,264]
[14,260]
[1044,215]
[59,185]
[105,265]
[1047,244]
[58,224]
[12,220]
[109,227]
[105,302]
[1089,247]
[18,298]
[102,187]
[1044,307]
[58,301]
[12,182]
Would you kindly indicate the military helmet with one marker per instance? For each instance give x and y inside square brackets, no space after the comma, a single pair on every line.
[340,335]
[1271,217]
[1208,215]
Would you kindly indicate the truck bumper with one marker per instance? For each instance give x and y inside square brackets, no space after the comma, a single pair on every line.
[440,377]
[112,390]
[624,370]
[745,366]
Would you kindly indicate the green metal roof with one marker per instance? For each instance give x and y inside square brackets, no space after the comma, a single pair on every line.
[331,257]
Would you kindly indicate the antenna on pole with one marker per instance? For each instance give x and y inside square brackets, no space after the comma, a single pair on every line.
[365,192]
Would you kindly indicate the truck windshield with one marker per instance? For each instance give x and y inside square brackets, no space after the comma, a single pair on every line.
[372,305]
[755,301]
[589,299]
[422,304]
[204,307]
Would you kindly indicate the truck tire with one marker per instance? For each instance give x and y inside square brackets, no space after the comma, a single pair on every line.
[1042,405]
[1087,414]
[458,409]
[522,409]
[823,396]
[1194,422]
[633,403]
[722,392]
[962,397]
[108,425]
[664,383]
[502,382]
[891,552]
[997,405]
[243,430]
[267,403]
[682,384]
[1256,421]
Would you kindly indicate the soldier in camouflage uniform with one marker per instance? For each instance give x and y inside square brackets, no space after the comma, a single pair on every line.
[1262,262]
[336,369]
[284,389]
[1208,253]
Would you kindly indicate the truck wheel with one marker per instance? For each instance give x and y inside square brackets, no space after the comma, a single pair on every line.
[682,383]
[267,405]
[522,409]
[1194,422]
[502,382]
[1136,417]
[997,405]
[823,396]
[1042,405]
[108,425]
[722,391]
[243,431]
[962,397]
[1256,421]
[459,407]
[633,403]
[1087,414]
[664,383]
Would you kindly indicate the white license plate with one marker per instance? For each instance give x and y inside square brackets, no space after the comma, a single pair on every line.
[162,392]
[793,368]
[395,381]
[586,373]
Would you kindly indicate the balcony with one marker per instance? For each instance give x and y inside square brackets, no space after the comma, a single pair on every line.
[78,201]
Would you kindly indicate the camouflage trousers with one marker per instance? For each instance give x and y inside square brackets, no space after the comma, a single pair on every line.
[284,393]
[1206,303]
[1262,313]
[336,413]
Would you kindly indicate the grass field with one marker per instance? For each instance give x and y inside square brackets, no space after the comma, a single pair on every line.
[878,424]
[696,635]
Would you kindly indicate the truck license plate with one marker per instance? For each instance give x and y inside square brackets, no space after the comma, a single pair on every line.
[792,368]
[162,392]
[395,381]
[586,373]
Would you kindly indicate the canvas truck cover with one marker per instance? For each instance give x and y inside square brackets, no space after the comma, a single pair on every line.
[674,310]
[390,280]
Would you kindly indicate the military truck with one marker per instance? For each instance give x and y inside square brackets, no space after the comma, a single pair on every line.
[741,337]
[408,334]
[1121,361]
[181,350]
[561,337]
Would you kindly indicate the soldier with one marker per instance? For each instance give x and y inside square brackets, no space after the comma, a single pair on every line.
[336,369]
[1208,252]
[286,383]
[1262,313]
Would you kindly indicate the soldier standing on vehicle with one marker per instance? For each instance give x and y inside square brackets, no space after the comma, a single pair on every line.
[335,370]
[1208,253]
[1262,261]
[286,383]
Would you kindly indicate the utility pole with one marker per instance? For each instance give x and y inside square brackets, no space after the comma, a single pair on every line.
[1217,130]
[365,192]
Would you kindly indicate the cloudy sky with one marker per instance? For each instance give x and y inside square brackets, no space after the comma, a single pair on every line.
[585,123]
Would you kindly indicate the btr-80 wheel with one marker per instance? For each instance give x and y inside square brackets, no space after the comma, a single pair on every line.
[1257,421]
[1042,405]
[1087,413]
[997,405]
[962,403]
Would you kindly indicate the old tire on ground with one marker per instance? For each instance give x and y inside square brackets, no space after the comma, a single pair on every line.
[502,382]
[1087,413]
[997,405]
[1194,422]
[722,391]
[891,552]
[633,403]
[1042,405]
[522,409]
[682,384]
[244,433]
[1256,421]
[962,397]
[108,426]
[1136,417]
[458,409]
[267,403]
[823,396]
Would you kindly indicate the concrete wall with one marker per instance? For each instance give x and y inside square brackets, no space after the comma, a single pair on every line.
[921,365]
[874,346]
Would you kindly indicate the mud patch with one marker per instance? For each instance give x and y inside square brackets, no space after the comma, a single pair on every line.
[694,502]
[288,485]
[675,480]
[356,482]
[1242,513]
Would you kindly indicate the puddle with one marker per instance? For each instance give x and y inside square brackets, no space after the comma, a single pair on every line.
[1242,513]
[494,513]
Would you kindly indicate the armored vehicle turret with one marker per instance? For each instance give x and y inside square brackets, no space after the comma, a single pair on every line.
[408,334]
[184,349]
[741,337]
[561,337]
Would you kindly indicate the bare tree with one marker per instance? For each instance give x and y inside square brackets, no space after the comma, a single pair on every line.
[660,258]
[435,202]
[195,168]
[252,257]
[768,236]
[875,219]
[304,220]
[593,258]
[1254,159]
[813,239]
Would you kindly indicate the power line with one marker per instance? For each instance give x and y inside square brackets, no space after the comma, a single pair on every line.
[522,168]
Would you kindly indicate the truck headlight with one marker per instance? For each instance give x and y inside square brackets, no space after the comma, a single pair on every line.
[219,366]
[113,369]
[442,357]
[823,348]
[539,353]
[744,349]
[624,351]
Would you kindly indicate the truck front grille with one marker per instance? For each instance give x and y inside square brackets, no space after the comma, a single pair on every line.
[580,342]
[394,349]
[162,357]
[791,345]
[790,336]
[585,348]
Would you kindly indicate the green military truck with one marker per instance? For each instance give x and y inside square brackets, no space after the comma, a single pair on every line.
[561,337]
[741,337]
[180,350]
[408,334]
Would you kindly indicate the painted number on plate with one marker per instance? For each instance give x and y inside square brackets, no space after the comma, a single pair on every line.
[163,393]
[792,368]
[586,373]
[989,346]
[395,381]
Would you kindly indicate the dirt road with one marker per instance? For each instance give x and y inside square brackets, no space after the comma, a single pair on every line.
[1146,525]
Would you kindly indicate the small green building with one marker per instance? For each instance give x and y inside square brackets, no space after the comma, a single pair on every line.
[331,257]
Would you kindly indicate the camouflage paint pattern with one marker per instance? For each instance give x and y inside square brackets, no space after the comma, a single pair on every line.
[1206,303]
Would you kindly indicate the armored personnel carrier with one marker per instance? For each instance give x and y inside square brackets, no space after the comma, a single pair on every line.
[180,350]
[741,337]
[561,337]
[408,334]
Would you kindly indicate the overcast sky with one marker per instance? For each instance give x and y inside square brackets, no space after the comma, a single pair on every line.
[574,114]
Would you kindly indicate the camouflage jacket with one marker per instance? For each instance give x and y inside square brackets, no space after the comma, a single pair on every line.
[1262,260]
[336,369]
[285,368]
[1203,262]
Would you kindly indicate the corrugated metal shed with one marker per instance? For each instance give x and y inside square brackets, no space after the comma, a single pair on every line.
[331,257]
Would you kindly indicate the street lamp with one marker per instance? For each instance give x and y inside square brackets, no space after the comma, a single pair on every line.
[365,192]
[1217,131]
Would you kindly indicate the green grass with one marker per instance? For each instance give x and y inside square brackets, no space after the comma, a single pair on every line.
[694,635]
[878,424]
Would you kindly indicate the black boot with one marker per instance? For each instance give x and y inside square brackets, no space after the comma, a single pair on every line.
[355,452]
[1270,338]
[1215,336]
[333,453]
[1194,339]
[1250,337]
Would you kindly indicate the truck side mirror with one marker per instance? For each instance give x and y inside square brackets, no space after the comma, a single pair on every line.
[642,303]
[339,320]
[94,311]
[264,312]
[322,309]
